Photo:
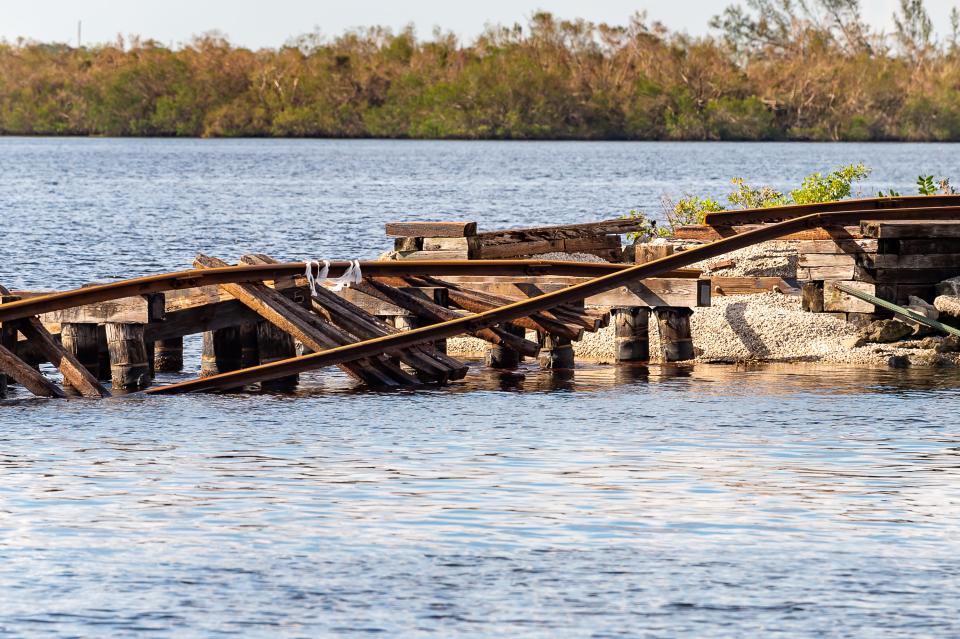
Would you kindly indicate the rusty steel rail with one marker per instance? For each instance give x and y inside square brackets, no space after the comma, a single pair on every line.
[245,274]
[520,309]
[725,219]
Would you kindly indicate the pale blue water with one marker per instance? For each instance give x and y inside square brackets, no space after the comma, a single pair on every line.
[662,502]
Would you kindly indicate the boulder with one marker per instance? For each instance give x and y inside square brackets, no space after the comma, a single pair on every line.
[884,332]
[948,305]
[923,307]
[949,287]
[949,344]
[898,361]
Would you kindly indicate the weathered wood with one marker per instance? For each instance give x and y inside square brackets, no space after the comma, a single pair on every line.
[703,233]
[906,276]
[27,376]
[615,226]
[837,247]
[222,351]
[407,244]
[433,313]
[435,255]
[812,297]
[75,374]
[129,366]
[519,249]
[312,331]
[168,355]
[750,285]
[274,345]
[837,301]
[644,253]
[478,302]
[912,262]
[922,247]
[136,309]
[632,333]
[468,244]
[858,205]
[8,336]
[430,364]
[911,229]
[431,229]
[676,344]
[499,356]
[827,273]
[818,260]
[82,341]
[556,353]
[490,318]
[900,293]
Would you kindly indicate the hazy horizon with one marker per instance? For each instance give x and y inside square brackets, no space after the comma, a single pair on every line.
[248,23]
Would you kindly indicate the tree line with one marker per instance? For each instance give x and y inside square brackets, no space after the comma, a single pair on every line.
[767,70]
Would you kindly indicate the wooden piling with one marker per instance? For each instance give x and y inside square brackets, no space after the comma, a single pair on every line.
[274,345]
[222,351]
[631,327]
[500,356]
[556,353]
[8,339]
[103,354]
[129,363]
[82,341]
[676,343]
[168,355]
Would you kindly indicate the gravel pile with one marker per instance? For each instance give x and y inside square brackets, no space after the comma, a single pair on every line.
[769,259]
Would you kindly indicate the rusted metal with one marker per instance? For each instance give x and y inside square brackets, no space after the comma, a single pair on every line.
[781,213]
[51,302]
[526,307]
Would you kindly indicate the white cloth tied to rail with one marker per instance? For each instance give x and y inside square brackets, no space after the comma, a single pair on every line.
[351,276]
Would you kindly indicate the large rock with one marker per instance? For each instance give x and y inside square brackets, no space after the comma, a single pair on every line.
[949,287]
[923,307]
[948,305]
[884,332]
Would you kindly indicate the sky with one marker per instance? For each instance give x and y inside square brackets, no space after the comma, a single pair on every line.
[257,24]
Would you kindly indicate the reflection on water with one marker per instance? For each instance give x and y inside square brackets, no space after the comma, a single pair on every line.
[612,500]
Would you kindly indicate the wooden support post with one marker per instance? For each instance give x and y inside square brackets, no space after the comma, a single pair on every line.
[222,351]
[103,354]
[129,364]
[81,340]
[556,353]
[249,345]
[274,345]
[632,339]
[500,356]
[675,341]
[8,339]
[168,355]
[812,300]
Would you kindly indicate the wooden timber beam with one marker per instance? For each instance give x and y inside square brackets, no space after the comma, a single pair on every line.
[519,309]
[27,376]
[299,323]
[429,363]
[178,281]
[74,373]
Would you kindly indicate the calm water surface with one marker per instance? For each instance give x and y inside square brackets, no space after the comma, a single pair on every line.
[662,502]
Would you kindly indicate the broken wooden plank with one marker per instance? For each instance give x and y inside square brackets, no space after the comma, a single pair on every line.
[74,373]
[434,313]
[615,226]
[310,330]
[27,376]
[428,362]
[431,229]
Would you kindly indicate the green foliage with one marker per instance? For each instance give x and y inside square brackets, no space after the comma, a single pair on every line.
[836,185]
[689,210]
[748,197]
[926,185]
[647,229]
[888,193]
[776,69]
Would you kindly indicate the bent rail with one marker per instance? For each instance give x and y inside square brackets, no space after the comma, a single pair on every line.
[535,304]
[257,273]
[781,213]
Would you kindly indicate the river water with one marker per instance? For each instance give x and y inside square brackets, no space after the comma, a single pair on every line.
[613,501]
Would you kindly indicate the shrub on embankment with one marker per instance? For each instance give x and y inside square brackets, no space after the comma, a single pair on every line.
[776,72]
